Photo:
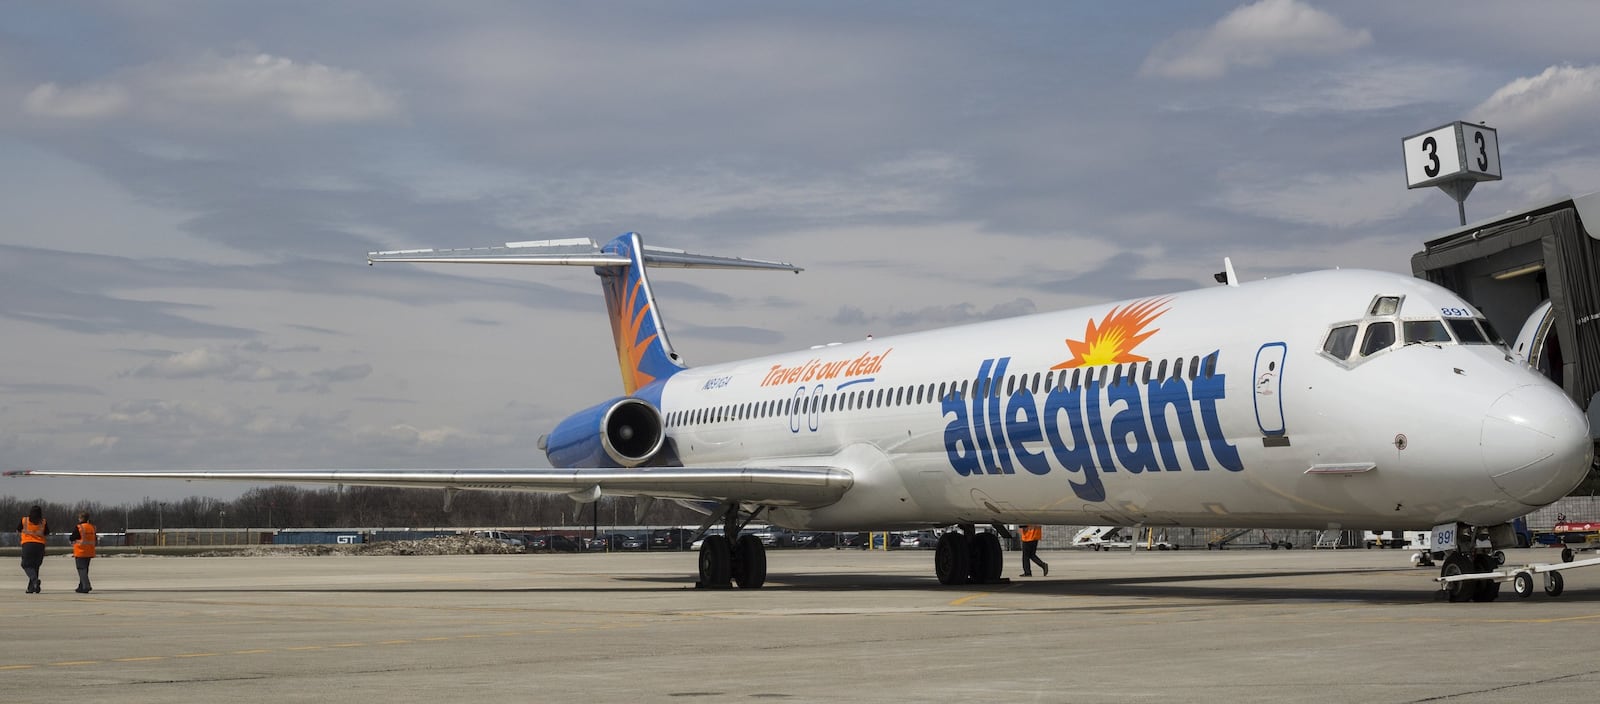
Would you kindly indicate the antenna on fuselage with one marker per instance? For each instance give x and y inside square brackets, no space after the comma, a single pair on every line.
[1226,276]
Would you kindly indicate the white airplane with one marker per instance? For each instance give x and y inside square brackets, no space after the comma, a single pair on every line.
[1331,399]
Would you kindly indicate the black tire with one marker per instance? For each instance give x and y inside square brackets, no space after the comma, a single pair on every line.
[716,562]
[1522,584]
[1553,585]
[1454,565]
[749,562]
[1488,590]
[952,560]
[988,560]
[1499,557]
[1566,555]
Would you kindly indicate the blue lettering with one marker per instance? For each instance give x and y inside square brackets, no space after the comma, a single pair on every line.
[1097,427]
[1208,390]
[1175,394]
[1136,456]
[980,389]
[957,440]
[1025,430]
[997,432]
[1138,437]
[1077,457]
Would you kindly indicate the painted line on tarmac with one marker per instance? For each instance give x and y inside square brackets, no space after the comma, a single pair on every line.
[309,648]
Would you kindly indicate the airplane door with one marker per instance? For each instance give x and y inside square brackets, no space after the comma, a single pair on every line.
[1269,392]
[1529,347]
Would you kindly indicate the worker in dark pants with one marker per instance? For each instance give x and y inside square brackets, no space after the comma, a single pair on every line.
[33,529]
[1030,535]
[84,540]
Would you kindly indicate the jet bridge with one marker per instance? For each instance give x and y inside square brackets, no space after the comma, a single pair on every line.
[1510,265]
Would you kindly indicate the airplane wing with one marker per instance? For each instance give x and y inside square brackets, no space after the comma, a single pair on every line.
[796,486]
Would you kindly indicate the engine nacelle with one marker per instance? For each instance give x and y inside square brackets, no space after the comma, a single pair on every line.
[622,432]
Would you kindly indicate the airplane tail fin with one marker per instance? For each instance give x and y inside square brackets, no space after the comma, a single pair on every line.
[644,353]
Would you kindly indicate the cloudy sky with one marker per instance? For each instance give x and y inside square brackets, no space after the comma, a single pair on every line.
[189,190]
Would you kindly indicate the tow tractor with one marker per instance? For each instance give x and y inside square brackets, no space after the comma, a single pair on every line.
[1474,570]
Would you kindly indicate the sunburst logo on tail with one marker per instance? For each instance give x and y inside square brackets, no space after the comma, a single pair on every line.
[633,324]
[1112,341]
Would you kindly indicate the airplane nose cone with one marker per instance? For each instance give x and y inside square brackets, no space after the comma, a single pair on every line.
[1536,444]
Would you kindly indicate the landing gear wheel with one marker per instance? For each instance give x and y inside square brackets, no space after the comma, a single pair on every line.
[749,562]
[1552,584]
[987,559]
[1488,590]
[952,560]
[716,563]
[1566,555]
[1457,564]
[1522,584]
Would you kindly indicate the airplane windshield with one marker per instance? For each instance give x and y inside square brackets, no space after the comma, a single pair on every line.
[1425,331]
[1467,331]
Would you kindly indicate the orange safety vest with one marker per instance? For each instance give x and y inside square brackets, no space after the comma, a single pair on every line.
[84,545]
[1032,534]
[32,532]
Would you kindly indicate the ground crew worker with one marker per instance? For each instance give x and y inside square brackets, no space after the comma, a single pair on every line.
[33,529]
[83,542]
[1030,535]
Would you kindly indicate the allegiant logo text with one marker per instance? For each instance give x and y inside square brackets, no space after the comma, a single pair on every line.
[1088,429]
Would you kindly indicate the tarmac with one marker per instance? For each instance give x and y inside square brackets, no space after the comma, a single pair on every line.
[830,626]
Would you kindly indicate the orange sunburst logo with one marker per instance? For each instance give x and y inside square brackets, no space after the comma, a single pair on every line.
[630,347]
[1113,340]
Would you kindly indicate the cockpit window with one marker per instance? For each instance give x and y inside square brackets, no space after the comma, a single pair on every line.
[1424,331]
[1385,305]
[1340,341]
[1493,334]
[1380,336]
[1467,331]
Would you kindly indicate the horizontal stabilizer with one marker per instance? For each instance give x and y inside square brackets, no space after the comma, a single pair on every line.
[798,486]
[572,252]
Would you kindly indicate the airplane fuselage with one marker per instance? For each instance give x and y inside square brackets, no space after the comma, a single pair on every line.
[1216,407]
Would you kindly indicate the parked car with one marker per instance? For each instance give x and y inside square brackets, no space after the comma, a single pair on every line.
[773,537]
[501,537]
[628,541]
[919,539]
[671,538]
[597,543]
[814,540]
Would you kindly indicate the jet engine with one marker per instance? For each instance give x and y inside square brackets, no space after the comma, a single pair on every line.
[622,432]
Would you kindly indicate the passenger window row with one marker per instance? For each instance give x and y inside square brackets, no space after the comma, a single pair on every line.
[861,399]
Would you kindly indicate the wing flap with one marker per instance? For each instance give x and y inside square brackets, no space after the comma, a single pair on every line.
[797,486]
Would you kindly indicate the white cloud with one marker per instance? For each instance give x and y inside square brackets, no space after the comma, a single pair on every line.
[1375,84]
[1253,35]
[218,91]
[228,364]
[1321,200]
[1555,102]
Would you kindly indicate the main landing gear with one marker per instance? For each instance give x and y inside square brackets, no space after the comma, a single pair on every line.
[731,558]
[969,557]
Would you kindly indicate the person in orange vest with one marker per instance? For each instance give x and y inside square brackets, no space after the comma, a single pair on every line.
[1030,535]
[33,529]
[83,542]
